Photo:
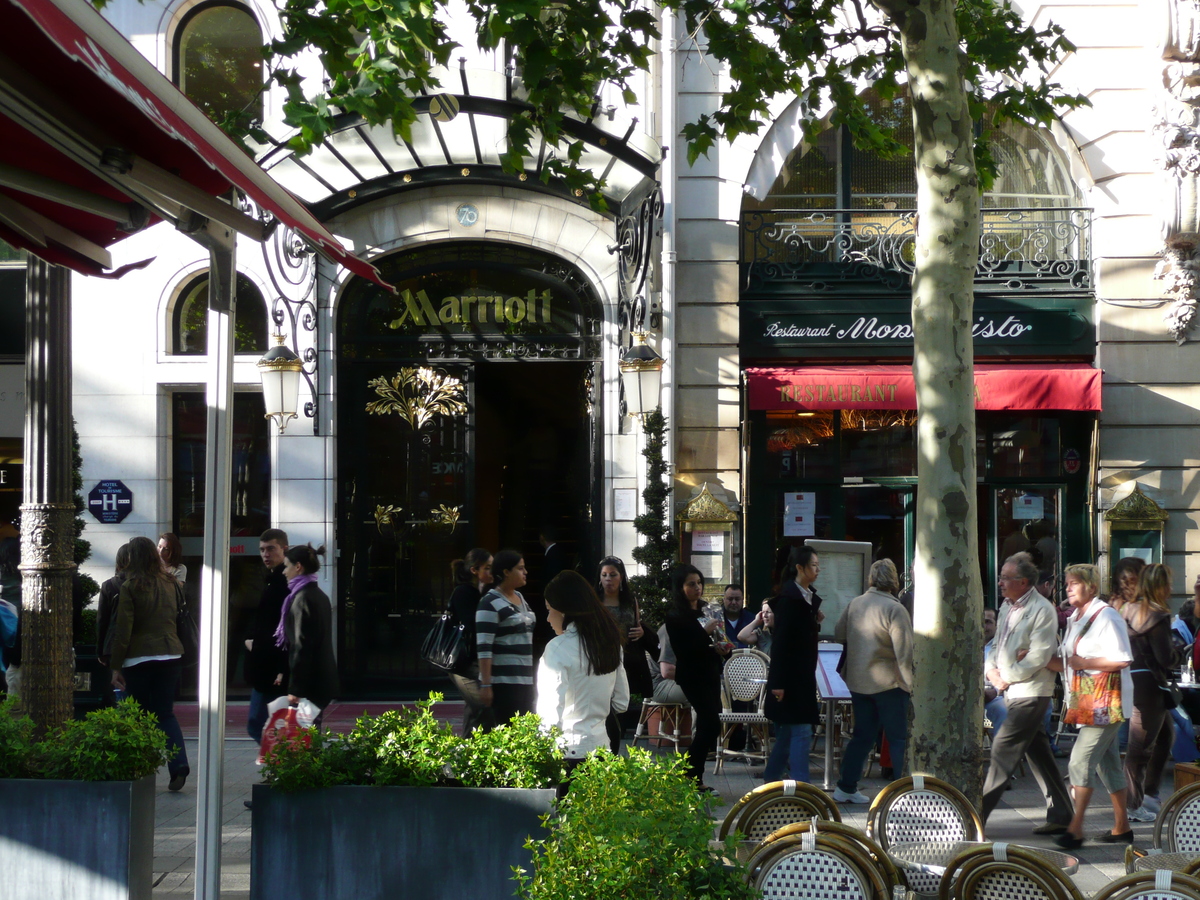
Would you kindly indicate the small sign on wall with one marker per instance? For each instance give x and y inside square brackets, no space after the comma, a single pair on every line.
[624,504]
[110,502]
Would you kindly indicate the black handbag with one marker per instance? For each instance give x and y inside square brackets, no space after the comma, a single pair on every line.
[186,629]
[445,644]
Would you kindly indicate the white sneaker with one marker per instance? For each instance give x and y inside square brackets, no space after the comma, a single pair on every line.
[1142,814]
[857,797]
[1151,803]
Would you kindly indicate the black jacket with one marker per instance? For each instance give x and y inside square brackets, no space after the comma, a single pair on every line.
[264,660]
[697,663]
[313,669]
[794,658]
[464,600]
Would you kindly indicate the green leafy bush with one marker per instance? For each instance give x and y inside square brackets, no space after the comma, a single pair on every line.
[632,826]
[121,743]
[410,747]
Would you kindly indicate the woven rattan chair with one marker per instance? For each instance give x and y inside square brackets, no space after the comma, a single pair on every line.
[816,867]
[845,833]
[797,802]
[1162,884]
[1176,839]
[744,681]
[1004,872]
[922,808]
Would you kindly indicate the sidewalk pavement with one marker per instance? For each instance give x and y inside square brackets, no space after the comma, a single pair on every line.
[1022,809]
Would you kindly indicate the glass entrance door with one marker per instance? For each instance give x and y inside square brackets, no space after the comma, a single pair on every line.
[1028,519]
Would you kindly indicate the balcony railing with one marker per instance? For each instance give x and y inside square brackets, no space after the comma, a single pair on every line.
[1020,250]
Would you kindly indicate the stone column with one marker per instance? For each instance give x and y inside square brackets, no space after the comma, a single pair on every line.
[48,513]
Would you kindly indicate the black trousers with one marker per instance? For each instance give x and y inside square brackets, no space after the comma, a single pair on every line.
[1023,734]
[510,700]
[705,700]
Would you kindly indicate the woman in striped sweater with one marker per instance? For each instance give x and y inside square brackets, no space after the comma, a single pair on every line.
[504,641]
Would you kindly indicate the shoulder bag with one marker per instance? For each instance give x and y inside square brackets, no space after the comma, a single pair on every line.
[445,644]
[185,628]
[1095,699]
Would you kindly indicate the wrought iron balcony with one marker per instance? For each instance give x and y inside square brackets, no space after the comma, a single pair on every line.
[1022,250]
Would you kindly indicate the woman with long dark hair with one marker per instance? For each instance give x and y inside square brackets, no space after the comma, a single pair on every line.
[697,664]
[171,551]
[306,629]
[580,676]
[612,584]
[1151,730]
[504,640]
[146,651]
[472,576]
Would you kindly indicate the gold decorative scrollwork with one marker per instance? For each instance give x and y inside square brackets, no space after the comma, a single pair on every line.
[418,394]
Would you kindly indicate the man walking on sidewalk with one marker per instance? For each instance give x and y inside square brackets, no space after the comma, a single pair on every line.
[264,661]
[1016,666]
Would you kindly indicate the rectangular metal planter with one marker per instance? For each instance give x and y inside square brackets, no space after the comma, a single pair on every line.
[69,840]
[363,843]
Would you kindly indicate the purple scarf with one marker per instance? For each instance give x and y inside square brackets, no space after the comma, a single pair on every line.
[295,584]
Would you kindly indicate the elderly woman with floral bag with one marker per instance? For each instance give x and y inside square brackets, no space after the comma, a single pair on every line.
[1095,658]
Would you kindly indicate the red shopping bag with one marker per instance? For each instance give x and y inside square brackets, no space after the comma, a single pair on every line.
[281,727]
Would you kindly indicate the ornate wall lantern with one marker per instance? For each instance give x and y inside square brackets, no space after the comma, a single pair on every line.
[641,376]
[280,371]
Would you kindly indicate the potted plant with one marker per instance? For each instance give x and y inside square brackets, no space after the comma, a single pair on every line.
[79,805]
[401,806]
[631,826]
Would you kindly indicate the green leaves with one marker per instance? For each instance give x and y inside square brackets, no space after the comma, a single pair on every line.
[411,747]
[121,743]
[631,826]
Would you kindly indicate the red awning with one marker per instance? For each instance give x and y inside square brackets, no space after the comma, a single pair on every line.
[1013,386]
[96,143]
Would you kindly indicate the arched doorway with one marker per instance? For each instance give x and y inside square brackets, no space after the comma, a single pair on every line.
[467,415]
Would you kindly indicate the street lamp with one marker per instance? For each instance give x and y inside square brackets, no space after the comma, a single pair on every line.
[641,375]
[280,370]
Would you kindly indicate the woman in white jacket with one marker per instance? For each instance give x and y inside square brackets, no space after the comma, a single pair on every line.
[580,676]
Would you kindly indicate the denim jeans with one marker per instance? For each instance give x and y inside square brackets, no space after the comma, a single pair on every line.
[792,745]
[153,684]
[256,719]
[887,709]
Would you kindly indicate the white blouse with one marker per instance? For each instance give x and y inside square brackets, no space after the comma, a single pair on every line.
[1106,638]
[571,697]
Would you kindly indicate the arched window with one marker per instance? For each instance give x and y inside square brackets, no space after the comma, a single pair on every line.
[189,317]
[833,174]
[218,60]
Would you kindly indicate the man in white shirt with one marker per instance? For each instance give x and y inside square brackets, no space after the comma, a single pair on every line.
[1026,640]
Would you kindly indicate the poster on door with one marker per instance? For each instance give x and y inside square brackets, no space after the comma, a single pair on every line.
[799,514]
[1028,506]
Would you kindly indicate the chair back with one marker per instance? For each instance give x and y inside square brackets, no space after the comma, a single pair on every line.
[744,678]
[1177,826]
[922,808]
[1004,872]
[808,802]
[816,867]
[1161,884]
[840,831]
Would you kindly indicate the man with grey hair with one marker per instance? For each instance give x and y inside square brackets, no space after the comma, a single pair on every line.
[878,635]
[1026,639]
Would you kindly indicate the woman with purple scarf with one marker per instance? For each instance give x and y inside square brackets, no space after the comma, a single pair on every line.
[306,629]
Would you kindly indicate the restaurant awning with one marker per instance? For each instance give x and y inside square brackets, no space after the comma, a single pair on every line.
[95,144]
[998,386]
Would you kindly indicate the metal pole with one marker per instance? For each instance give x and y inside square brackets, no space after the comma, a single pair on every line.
[214,585]
[48,510]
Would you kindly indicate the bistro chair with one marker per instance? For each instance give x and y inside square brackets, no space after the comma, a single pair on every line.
[744,682]
[1004,872]
[1176,838]
[922,808]
[670,718]
[794,801]
[845,833]
[817,867]
[1162,884]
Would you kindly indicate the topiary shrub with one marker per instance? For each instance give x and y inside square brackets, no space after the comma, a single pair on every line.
[633,826]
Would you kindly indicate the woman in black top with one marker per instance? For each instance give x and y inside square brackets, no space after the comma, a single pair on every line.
[473,576]
[697,664]
[612,586]
[306,629]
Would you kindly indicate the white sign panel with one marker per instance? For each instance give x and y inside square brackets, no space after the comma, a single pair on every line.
[708,541]
[1028,506]
[799,514]
[624,504]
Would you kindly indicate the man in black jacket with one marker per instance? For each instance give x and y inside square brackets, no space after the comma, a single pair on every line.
[264,661]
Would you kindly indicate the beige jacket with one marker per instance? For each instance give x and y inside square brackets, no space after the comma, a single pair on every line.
[878,636]
[1034,628]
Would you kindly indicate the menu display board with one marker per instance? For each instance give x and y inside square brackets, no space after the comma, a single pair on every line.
[845,566]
